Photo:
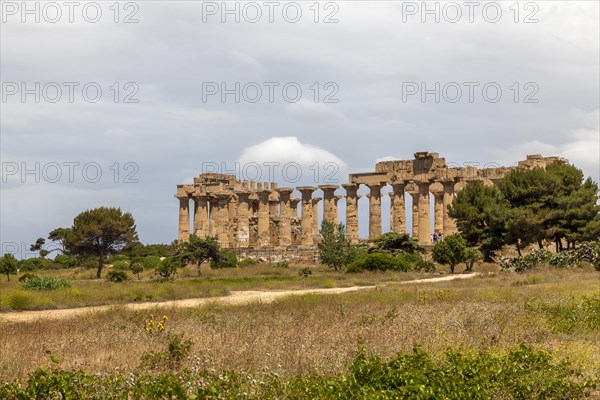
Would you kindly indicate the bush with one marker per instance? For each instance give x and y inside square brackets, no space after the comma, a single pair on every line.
[282,264]
[377,261]
[247,262]
[117,276]
[35,263]
[228,259]
[151,262]
[66,261]
[47,283]
[137,268]
[120,265]
[522,373]
[586,252]
[26,276]
[305,272]
[425,265]
[167,267]
[20,300]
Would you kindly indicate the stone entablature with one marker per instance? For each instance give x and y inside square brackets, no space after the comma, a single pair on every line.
[248,214]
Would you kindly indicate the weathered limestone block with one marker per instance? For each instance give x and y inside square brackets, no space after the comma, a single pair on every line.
[243,215]
[184,219]
[315,218]
[201,215]
[223,219]
[263,218]
[351,212]
[424,221]
[329,203]
[307,218]
[374,211]
[285,227]
[397,208]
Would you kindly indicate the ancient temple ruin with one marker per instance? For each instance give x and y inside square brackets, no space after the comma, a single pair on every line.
[244,215]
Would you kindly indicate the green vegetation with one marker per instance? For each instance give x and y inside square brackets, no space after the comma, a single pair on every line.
[46,283]
[227,259]
[377,261]
[335,249]
[523,372]
[529,207]
[117,276]
[196,250]
[8,265]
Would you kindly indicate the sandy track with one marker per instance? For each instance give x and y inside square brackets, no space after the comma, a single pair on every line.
[236,298]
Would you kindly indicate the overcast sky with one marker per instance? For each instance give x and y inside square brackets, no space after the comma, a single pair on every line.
[186,89]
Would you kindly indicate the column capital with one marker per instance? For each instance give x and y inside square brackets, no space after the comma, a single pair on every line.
[328,187]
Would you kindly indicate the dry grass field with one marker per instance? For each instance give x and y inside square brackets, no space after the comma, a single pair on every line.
[551,309]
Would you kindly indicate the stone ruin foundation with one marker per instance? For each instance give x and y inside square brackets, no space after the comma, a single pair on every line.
[260,219]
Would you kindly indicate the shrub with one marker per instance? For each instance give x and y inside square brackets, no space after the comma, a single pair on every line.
[282,264]
[47,283]
[120,265]
[305,272]
[151,262]
[117,276]
[20,300]
[425,265]
[247,262]
[167,267]
[377,261]
[522,373]
[228,259]
[35,263]
[137,268]
[66,261]
[26,276]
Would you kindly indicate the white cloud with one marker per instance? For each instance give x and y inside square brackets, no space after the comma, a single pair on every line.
[284,154]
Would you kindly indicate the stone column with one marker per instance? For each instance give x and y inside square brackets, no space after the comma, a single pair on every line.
[448,197]
[201,215]
[307,219]
[213,218]
[424,222]
[438,212]
[223,219]
[183,233]
[263,218]
[329,203]
[285,215]
[397,208]
[351,212]
[415,216]
[374,211]
[315,217]
[273,208]
[232,228]
[243,224]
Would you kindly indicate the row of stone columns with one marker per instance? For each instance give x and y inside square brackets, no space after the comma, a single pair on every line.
[227,215]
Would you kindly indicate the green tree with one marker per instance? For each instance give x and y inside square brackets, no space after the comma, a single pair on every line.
[394,242]
[137,267]
[167,267]
[481,214]
[451,251]
[8,265]
[472,255]
[58,237]
[335,249]
[101,232]
[197,250]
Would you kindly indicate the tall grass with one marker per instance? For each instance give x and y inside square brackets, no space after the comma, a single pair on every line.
[315,334]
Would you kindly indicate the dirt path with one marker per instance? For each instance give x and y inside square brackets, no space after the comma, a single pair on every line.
[236,298]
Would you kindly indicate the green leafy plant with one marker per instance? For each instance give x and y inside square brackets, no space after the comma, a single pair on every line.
[117,276]
[227,259]
[46,283]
